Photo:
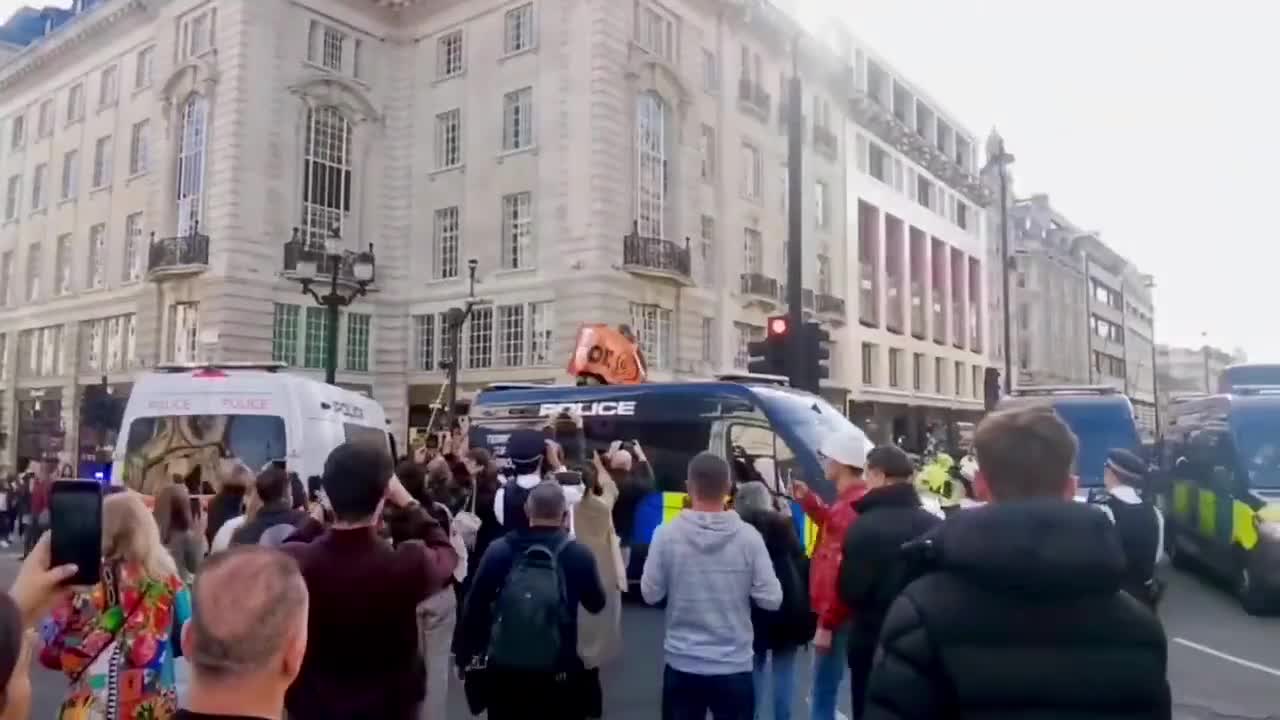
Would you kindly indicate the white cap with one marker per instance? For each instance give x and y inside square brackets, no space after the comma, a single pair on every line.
[847,448]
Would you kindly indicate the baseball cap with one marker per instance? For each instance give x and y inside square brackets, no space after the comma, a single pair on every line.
[847,448]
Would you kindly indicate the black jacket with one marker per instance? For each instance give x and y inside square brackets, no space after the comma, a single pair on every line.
[582,586]
[228,503]
[276,513]
[632,489]
[1019,603]
[792,624]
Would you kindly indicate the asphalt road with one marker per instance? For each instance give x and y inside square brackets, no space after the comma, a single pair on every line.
[1222,662]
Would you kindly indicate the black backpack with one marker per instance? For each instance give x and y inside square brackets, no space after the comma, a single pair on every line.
[530,614]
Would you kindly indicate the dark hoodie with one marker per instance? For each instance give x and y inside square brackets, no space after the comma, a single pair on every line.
[1015,606]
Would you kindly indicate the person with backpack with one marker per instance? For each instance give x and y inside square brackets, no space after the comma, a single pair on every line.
[276,519]
[519,643]
[526,450]
[779,634]
[873,569]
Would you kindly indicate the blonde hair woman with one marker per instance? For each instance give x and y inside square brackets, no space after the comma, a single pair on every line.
[114,640]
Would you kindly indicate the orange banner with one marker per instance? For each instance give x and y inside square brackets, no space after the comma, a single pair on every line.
[607,354]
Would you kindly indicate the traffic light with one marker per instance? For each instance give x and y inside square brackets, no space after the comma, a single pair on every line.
[815,347]
[769,356]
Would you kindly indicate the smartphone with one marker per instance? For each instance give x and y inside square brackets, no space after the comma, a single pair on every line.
[569,477]
[75,524]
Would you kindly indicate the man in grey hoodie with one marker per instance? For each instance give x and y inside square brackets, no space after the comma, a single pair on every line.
[710,567]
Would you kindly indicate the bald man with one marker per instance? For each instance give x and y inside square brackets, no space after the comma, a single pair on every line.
[247,635]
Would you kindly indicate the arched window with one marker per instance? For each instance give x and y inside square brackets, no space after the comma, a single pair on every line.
[326,174]
[191,148]
[651,164]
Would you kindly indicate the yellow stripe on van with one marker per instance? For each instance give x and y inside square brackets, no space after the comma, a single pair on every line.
[1243,531]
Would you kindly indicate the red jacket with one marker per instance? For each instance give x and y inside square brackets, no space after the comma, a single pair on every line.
[833,523]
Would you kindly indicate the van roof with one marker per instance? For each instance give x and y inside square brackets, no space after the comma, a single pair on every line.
[511,395]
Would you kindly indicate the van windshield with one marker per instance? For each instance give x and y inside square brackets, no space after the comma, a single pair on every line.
[191,447]
[1257,438]
[809,417]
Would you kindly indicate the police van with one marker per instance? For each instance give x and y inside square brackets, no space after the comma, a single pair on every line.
[182,420]
[1100,417]
[1221,461]
[736,417]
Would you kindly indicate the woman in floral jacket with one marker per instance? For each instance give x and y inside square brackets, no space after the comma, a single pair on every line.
[115,641]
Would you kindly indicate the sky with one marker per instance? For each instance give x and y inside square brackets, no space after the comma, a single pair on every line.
[1153,122]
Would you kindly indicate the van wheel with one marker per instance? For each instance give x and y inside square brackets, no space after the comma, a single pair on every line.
[1249,593]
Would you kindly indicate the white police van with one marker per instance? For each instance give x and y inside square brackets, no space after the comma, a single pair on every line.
[186,419]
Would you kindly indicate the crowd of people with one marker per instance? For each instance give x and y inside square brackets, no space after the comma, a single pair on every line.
[359,593]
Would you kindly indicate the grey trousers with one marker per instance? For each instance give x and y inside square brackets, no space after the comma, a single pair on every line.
[437,616]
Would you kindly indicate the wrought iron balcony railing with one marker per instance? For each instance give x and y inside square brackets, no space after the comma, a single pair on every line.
[178,255]
[656,255]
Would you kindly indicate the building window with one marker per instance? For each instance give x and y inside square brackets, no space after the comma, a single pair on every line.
[196,33]
[959,376]
[184,331]
[652,326]
[52,361]
[511,335]
[752,251]
[975,387]
[358,341]
[445,250]
[449,58]
[315,347]
[745,334]
[13,197]
[541,332]
[710,71]
[97,256]
[446,341]
[824,274]
[132,269]
[284,334]
[895,367]
[70,174]
[651,165]
[44,120]
[707,151]
[517,119]
[332,42]
[102,162]
[6,278]
[939,375]
[116,328]
[143,67]
[91,355]
[140,147]
[131,340]
[519,29]
[108,87]
[656,32]
[62,265]
[449,139]
[39,180]
[751,171]
[868,363]
[191,155]
[708,240]
[424,342]
[34,263]
[75,103]
[822,204]
[517,231]
[917,371]
[326,174]
[480,339]
[708,340]
[18,130]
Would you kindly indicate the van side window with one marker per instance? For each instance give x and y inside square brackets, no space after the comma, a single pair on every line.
[756,450]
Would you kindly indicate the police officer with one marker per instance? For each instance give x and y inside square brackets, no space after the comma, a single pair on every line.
[1138,523]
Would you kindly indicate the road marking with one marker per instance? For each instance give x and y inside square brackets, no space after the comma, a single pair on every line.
[1230,658]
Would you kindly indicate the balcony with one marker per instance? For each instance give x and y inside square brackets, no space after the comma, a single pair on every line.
[868,311]
[939,319]
[824,141]
[656,257]
[762,289]
[917,311]
[178,256]
[754,99]
[297,250]
[831,307]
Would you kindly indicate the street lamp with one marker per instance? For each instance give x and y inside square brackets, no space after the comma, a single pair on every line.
[312,264]
[1000,159]
[455,318]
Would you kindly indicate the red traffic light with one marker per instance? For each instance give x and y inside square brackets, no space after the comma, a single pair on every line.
[778,326]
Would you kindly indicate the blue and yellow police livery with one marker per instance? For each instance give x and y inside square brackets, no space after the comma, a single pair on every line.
[673,422]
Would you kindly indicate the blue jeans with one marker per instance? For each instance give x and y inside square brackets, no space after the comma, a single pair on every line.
[686,696]
[828,674]
[784,681]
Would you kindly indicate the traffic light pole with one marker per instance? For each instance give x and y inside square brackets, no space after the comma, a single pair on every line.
[795,211]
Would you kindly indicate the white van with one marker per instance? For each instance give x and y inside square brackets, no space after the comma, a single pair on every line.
[186,419]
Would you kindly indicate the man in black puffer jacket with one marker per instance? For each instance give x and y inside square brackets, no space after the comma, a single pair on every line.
[1016,599]
[873,570]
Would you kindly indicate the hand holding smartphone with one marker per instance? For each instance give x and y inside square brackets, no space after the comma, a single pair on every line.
[75,527]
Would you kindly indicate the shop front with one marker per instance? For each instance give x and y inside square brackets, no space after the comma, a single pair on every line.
[99,428]
[41,432]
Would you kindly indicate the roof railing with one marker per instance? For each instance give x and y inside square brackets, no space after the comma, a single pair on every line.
[757,378]
[174,367]
[1044,390]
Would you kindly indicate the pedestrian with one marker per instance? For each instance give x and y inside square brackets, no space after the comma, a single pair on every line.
[1139,524]
[233,484]
[872,570]
[37,588]
[1015,597]
[22,510]
[521,615]
[633,474]
[248,509]
[364,594]
[6,508]
[600,634]
[484,476]
[711,568]
[526,450]
[247,636]
[40,483]
[275,519]
[179,530]
[845,456]
[113,640]
[779,634]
